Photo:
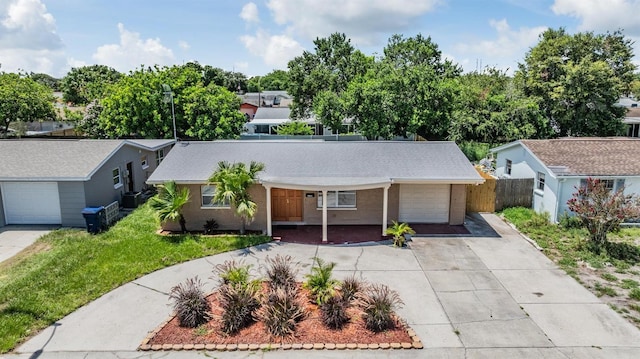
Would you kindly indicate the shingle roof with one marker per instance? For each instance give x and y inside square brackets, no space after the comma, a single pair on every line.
[331,163]
[604,156]
[59,160]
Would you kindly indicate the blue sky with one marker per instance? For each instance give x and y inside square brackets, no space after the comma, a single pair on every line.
[255,37]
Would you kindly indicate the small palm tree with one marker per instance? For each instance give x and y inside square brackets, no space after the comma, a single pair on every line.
[232,185]
[169,202]
[398,230]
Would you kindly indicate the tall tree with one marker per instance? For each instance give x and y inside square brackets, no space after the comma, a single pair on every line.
[232,185]
[330,68]
[491,108]
[23,100]
[85,84]
[578,78]
[47,80]
[137,106]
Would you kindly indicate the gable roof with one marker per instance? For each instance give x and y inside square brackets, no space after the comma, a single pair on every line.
[588,156]
[331,164]
[61,160]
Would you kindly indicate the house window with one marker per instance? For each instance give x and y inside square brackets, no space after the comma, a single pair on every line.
[609,184]
[159,156]
[338,199]
[540,181]
[143,162]
[207,193]
[117,180]
[507,167]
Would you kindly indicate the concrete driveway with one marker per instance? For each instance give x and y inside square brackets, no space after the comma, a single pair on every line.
[490,295]
[15,238]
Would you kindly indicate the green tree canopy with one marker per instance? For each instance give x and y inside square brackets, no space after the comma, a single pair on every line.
[23,100]
[47,80]
[578,78]
[276,80]
[294,128]
[491,108]
[85,84]
[137,106]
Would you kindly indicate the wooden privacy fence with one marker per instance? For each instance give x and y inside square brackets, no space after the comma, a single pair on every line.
[498,193]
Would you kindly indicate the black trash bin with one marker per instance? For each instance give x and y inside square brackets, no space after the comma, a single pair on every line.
[95,218]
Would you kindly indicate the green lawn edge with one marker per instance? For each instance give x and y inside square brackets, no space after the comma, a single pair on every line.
[69,268]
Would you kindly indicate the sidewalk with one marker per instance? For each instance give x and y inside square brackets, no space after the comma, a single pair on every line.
[486,295]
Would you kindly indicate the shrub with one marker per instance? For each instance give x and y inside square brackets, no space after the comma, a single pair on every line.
[190,304]
[378,303]
[350,287]
[334,312]
[281,272]
[239,303]
[398,230]
[319,281]
[232,272]
[569,222]
[623,251]
[210,226]
[280,312]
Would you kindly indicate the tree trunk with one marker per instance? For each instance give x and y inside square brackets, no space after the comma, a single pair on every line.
[183,223]
[242,227]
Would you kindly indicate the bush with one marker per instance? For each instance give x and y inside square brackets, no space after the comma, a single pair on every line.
[334,312]
[190,304]
[281,272]
[232,272]
[569,222]
[281,312]
[210,226]
[350,287]
[378,303]
[239,303]
[319,281]
[623,251]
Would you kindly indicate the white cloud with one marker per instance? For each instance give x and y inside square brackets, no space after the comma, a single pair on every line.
[240,66]
[28,38]
[598,15]
[132,51]
[249,13]
[361,20]
[509,44]
[275,50]
[184,45]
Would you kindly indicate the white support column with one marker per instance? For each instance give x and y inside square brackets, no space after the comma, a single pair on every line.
[324,215]
[269,231]
[385,209]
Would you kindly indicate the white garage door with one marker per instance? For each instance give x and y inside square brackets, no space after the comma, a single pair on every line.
[424,203]
[31,202]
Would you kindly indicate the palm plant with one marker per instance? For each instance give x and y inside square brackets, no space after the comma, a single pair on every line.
[319,281]
[169,202]
[398,230]
[232,185]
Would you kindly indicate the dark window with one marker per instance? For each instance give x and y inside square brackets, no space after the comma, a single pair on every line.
[507,168]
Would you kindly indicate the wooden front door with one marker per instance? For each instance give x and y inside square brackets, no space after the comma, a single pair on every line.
[286,205]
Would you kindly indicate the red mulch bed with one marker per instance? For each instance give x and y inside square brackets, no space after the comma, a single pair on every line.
[309,330]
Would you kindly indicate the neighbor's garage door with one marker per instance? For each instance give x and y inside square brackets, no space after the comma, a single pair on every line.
[31,203]
[424,203]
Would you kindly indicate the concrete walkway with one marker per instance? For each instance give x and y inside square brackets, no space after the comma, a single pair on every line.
[491,295]
[15,238]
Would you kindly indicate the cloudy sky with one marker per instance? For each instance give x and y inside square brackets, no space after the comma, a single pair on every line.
[255,37]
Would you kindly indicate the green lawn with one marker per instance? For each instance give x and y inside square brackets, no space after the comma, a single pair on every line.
[69,268]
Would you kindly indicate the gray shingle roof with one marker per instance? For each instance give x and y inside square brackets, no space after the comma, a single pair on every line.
[328,163]
[59,160]
[604,156]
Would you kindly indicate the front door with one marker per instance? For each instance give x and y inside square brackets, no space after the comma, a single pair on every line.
[130,176]
[286,205]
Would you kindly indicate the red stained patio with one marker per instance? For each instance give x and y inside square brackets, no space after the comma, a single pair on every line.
[344,234]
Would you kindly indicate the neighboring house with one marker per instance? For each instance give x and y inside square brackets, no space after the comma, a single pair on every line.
[368,183]
[267,98]
[249,110]
[632,120]
[267,120]
[560,166]
[51,181]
